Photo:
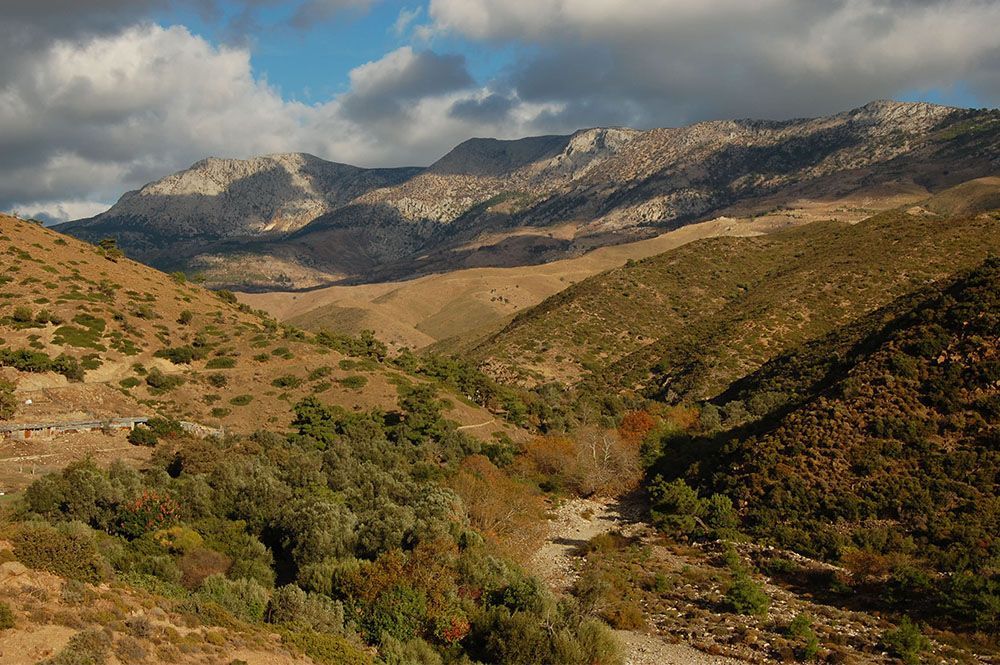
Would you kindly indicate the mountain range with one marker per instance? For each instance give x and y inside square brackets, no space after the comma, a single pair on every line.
[296,221]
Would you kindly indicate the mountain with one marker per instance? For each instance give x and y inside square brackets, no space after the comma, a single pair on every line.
[685,323]
[297,221]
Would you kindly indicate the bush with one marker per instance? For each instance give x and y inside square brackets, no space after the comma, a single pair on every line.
[159,381]
[287,381]
[68,551]
[245,599]
[746,596]
[217,380]
[801,629]
[221,362]
[7,619]
[355,382]
[142,436]
[295,608]
[186,317]
[906,641]
[241,400]
[89,647]
[8,403]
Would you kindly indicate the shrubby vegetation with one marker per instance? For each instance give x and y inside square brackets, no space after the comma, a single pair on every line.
[357,524]
[875,447]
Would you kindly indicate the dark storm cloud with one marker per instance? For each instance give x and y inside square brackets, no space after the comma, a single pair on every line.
[383,89]
[667,62]
[491,108]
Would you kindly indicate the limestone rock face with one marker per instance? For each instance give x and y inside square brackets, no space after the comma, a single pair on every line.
[606,185]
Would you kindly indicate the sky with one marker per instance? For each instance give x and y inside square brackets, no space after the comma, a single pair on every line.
[98,97]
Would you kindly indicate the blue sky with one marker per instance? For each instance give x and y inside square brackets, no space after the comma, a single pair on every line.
[102,96]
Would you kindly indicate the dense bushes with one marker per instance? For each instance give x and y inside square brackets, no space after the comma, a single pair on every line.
[351,516]
[8,403]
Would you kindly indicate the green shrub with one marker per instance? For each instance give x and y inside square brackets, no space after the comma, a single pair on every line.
[320,372]
[90,647]
[226,296]
[161,382]
[221,362]
[326,649]
[220,412]
[68,550]
[745,596]
[801,629]
[241,400]
[293,607]
[287,381]
[7,619]
[130,382]
[906,642]
[8,403]
[185,317]
[217,380]
[142,436]
[356,382]
[245,599]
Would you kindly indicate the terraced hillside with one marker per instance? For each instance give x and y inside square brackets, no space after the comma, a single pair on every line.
[86,331]
[687,322]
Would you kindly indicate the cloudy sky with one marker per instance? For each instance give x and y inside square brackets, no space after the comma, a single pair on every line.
[101,96]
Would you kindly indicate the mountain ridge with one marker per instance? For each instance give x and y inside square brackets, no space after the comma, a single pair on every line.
[294,220]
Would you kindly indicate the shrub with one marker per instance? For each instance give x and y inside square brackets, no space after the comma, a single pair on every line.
[746,596]
[326,649]
[89,647]
[221,362]
[906,641]
[199,564]
[8,403]
[217,380]
[68,551]
[7,619]
[22,314]
[130,382]
[801,629]
[245,599]
[356,382]
[287,381]
[149,511]
[185,317]
[295,608]
[241,400]
[226,296]
[142,436]
[161,382]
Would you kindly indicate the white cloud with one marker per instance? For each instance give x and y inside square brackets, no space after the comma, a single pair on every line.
[85,120]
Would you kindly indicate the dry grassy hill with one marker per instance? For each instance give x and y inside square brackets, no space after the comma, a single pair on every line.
[451,310]
[86,334]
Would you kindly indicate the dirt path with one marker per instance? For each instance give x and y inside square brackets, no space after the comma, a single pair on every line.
[574,523]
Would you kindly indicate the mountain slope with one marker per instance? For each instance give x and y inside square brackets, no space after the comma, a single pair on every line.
[503,203]
[878,445]
[687,322]
[138,342]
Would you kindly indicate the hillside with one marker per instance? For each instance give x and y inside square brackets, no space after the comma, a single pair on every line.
[687,322]
[86,334]
[876,446]
[493,203]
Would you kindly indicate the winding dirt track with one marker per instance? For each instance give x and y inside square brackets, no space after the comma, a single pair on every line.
[572,524]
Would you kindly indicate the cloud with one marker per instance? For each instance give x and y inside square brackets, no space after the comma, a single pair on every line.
[380,89]
[405,19]
[85,119]
[656,62]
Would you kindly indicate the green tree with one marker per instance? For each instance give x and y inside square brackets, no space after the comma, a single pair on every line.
[8,402]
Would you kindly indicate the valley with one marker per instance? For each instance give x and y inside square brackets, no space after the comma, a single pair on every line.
[717,394]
